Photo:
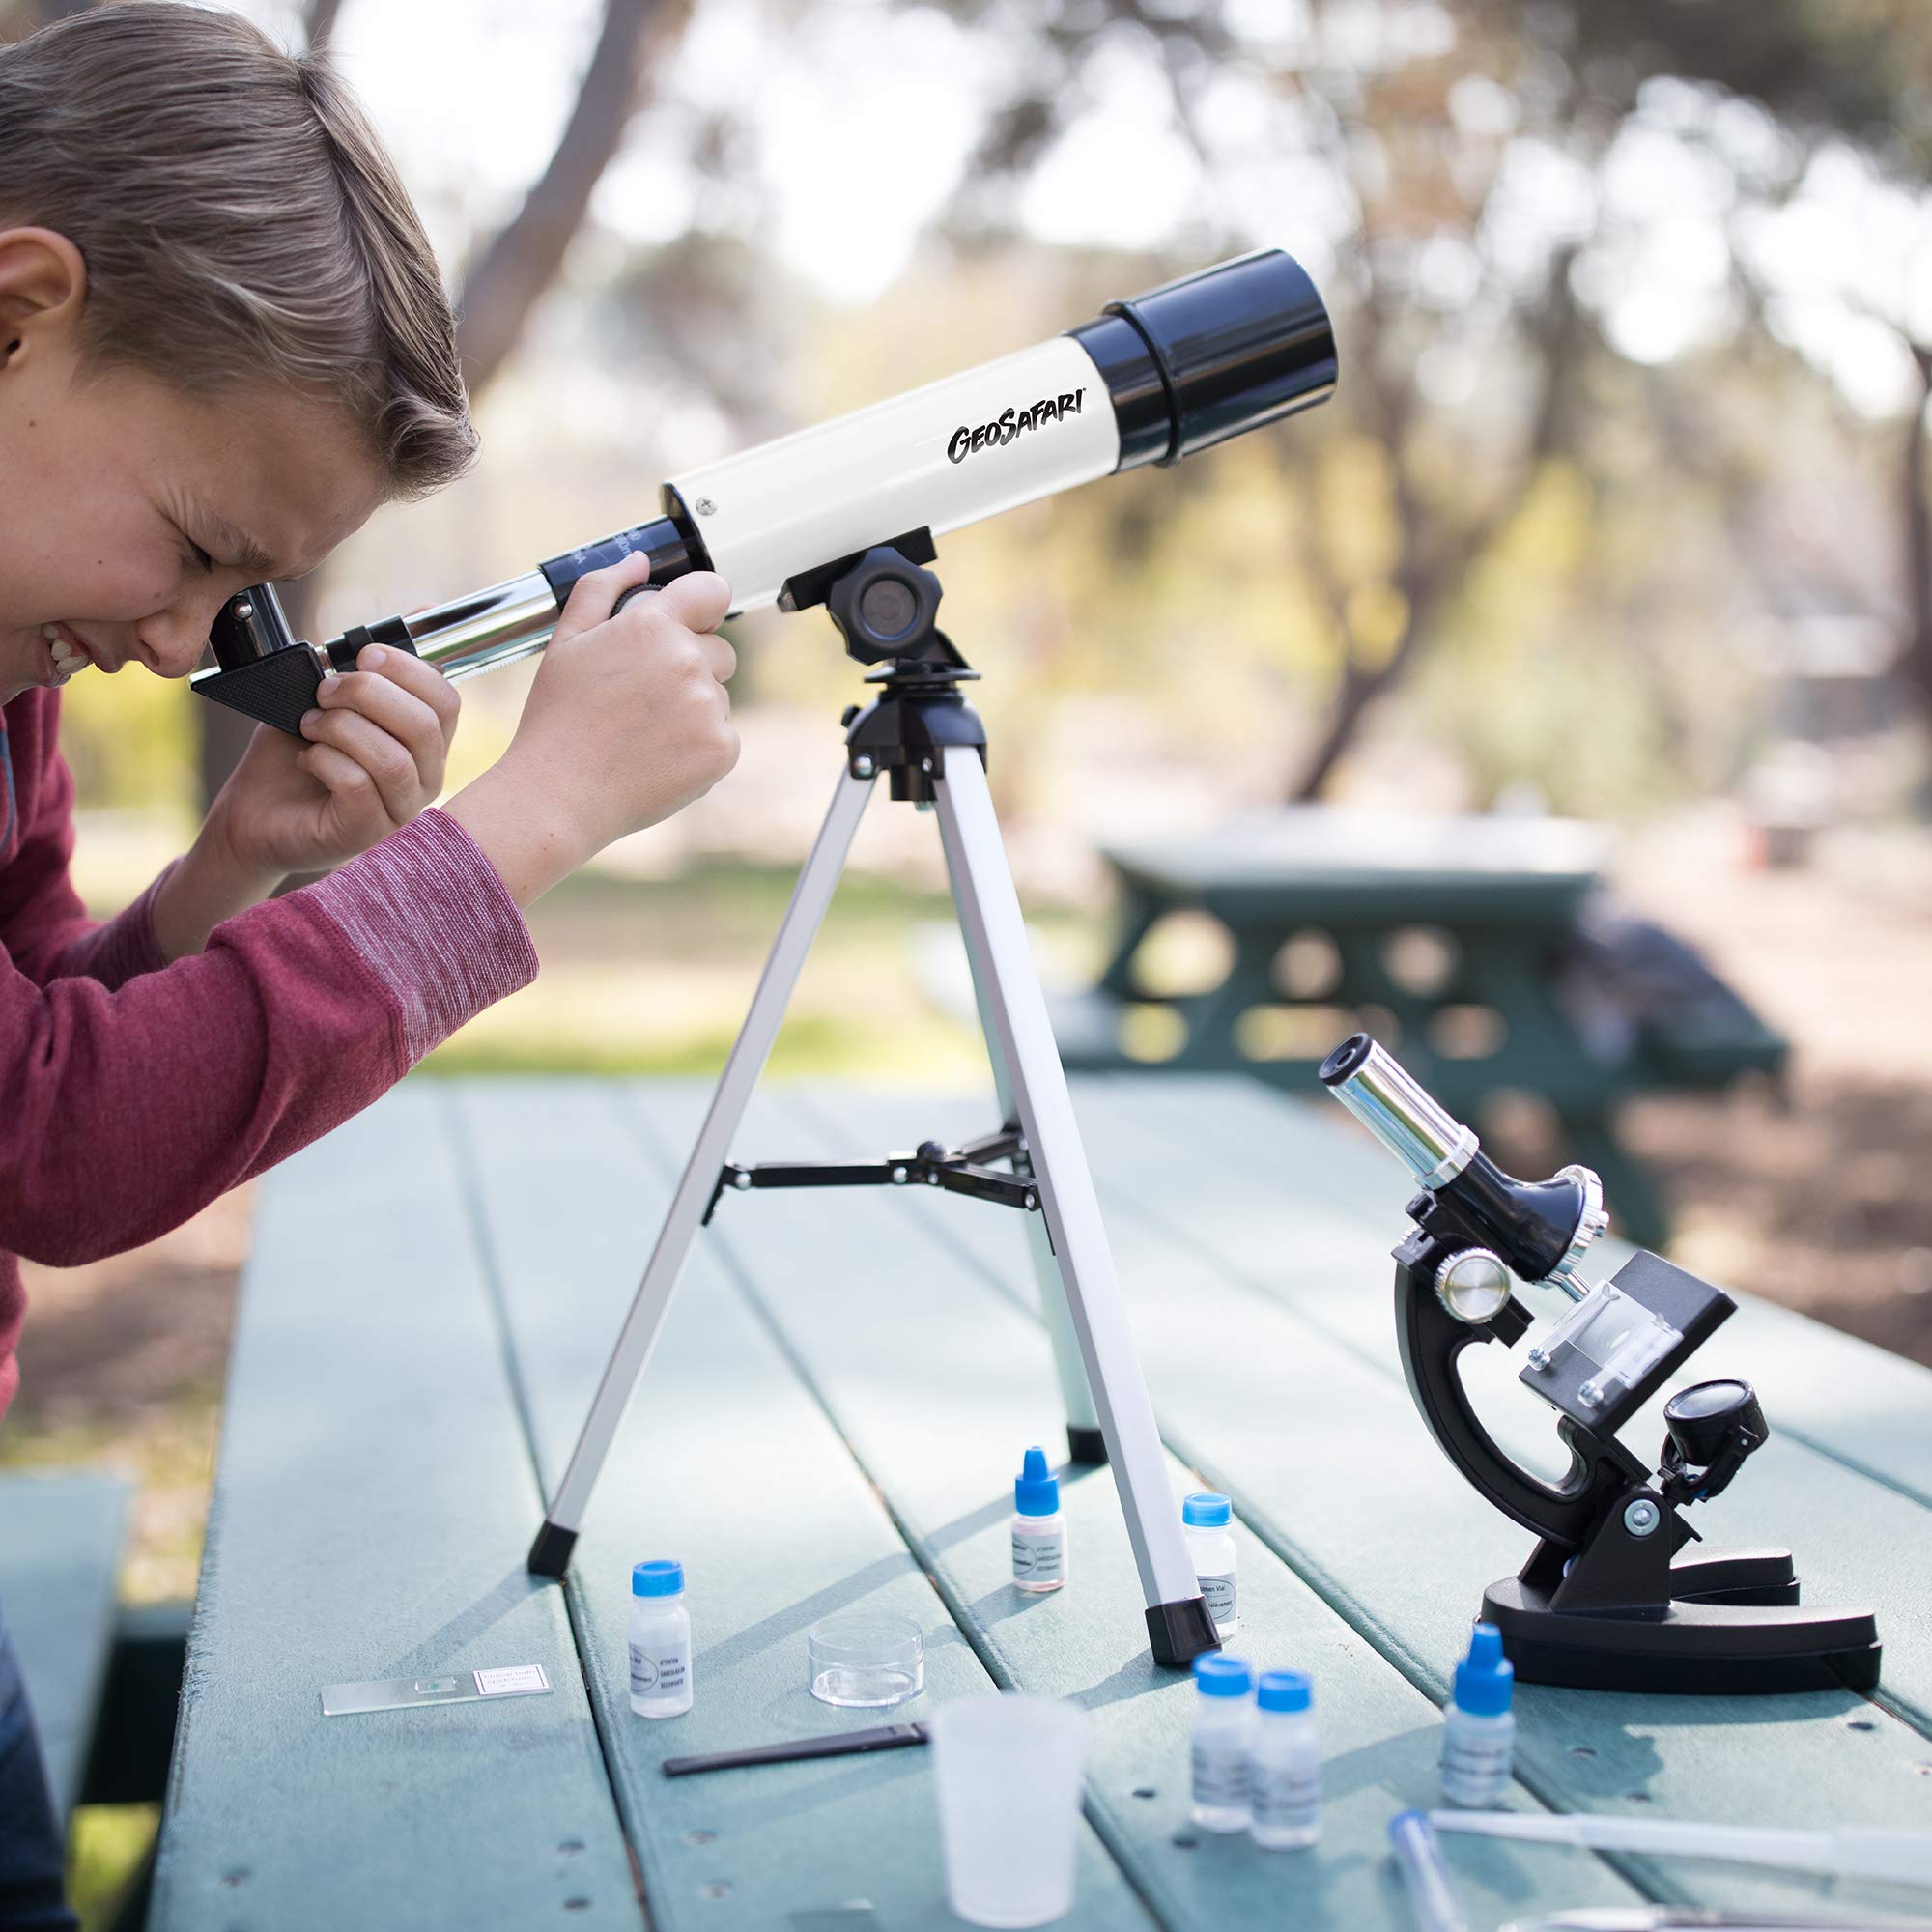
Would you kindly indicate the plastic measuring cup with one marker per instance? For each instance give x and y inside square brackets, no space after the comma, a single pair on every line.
[1008,1771]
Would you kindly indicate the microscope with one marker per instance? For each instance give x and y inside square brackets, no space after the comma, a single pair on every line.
[1612,1596]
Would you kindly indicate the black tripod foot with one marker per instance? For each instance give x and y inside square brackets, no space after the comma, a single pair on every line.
[1086,1446]
[1180,1632]
[1713,1647]
[550,1554]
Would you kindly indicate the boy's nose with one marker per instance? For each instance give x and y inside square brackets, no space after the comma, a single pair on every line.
[170,643]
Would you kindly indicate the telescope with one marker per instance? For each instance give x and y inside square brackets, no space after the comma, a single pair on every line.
[1611,1598]
[844,516]
[1151,380]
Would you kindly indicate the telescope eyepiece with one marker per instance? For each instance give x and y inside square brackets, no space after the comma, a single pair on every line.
[249,626]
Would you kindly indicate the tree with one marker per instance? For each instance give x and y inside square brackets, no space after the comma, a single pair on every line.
[1454,158]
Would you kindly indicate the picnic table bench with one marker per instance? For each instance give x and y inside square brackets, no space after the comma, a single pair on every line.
[1458,941]
[832,1419]
[103,1677]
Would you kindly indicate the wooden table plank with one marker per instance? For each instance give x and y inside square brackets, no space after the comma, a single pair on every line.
[60,1559]
[727,1464]
[1317,1440]
[372,1506]
[940,1383]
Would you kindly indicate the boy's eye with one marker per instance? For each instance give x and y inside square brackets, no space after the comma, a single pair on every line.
[198,556]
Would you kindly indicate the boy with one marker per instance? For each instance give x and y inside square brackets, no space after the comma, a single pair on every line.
[223,342]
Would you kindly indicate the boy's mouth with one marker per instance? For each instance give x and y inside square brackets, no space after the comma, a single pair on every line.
[65,653]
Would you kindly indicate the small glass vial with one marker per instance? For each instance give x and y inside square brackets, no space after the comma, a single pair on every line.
[1224,1719]
[1039,1530]
[659,1640]
[1285,1763]
[1479,1728]
[1211,1542]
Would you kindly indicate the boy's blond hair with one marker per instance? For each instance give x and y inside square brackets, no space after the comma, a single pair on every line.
[239,219]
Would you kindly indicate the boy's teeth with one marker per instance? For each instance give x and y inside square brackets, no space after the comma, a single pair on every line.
[68,658]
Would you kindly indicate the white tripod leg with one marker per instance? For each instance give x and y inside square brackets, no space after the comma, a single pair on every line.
[989,913]
[550,1554]
[1083,1441]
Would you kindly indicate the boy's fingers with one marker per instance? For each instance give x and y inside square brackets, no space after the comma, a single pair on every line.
[421,680]
[388,763]
[719,656]
[341,777]
[697,600]
[595,593]
[396,711]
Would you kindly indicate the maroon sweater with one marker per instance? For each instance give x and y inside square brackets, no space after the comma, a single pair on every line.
[133,1092]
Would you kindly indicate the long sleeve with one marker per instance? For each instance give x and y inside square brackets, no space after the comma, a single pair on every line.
[131,1108]
[129,1101]
[45,929]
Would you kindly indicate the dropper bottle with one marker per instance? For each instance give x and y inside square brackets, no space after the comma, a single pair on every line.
[1039,1530]
[1479,1728]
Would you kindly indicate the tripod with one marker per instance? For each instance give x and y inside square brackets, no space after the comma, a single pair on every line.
[921,731]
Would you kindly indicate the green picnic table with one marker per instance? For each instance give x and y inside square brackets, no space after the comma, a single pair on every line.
[1454,939]
[832,1419]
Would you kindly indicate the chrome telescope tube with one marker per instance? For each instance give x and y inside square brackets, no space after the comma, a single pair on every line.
[1149,379]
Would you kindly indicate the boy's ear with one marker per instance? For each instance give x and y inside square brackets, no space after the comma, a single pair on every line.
[42,288]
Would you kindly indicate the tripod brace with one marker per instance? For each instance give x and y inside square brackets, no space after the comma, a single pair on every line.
[923,737]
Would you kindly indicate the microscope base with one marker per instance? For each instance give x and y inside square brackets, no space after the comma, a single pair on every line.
[1737,1628]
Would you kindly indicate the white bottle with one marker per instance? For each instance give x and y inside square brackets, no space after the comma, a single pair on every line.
[1479,1728]
[1211,1542]
[1285,1763]
[659,1640]
[1224,1720]
[1039,1530]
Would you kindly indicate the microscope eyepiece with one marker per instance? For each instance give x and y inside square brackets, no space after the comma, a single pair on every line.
[1540,1229]
[1422,1134]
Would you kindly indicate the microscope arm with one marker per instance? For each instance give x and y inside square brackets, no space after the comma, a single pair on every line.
[1432,1340]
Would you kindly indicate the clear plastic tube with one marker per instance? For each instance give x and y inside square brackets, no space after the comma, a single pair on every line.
[1431,1896]
[1901,1857]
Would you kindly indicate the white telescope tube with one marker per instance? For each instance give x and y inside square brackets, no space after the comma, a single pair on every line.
[1003,434]
[1149,379]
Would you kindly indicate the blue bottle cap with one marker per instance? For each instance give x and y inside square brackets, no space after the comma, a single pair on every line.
[1284,1691]
[1484,1678]
[1220,1675]
[662,1577]
[1036,1492]
[1204,1509]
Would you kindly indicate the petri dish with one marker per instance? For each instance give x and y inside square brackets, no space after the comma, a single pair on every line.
[864,1659]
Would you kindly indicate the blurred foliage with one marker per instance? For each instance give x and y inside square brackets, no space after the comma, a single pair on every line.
[131,742]
[1543,535]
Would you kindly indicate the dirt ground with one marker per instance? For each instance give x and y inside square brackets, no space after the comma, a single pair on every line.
[1820,1200]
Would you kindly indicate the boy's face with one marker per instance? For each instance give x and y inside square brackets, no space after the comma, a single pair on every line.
[130,513]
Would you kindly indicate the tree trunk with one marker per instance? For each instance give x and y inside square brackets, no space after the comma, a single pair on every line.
[1915,661]
[503,282]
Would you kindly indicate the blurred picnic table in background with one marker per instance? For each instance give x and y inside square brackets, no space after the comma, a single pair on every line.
[1481,947]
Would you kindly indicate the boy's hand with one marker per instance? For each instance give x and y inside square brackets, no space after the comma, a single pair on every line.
[370,759]
[627,721]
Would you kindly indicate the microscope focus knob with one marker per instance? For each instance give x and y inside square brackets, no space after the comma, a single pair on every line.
[1474,1286]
